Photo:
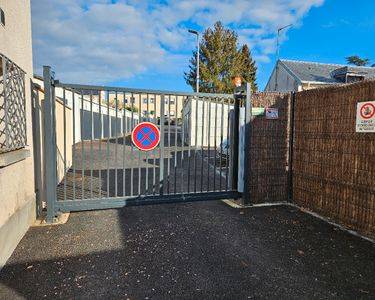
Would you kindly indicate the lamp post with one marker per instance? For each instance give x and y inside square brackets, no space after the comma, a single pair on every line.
[197,34]
[278,36]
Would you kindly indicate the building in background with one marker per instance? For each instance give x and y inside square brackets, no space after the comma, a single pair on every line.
[17,190]
[290,75]
[146,104]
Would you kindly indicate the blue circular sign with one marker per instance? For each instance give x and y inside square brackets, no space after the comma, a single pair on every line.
[146,136]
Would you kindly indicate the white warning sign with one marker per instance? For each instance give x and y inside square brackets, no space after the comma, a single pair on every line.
[365,121]
[272,113]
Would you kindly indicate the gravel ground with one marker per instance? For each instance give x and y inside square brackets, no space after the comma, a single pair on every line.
[204,250]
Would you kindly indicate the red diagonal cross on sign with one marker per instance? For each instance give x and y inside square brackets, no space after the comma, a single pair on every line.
[146,136]
[367,111]
[145,131]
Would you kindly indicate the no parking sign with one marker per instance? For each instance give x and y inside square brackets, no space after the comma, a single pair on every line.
[365,121]
[146,136]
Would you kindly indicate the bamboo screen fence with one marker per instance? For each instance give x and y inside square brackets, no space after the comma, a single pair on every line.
[267,180]
[333,166]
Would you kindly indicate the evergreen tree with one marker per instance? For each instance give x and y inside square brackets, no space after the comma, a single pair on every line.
[220,61]
[356,60]
[248,72]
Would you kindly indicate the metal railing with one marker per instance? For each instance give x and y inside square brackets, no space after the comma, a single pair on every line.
[12,106]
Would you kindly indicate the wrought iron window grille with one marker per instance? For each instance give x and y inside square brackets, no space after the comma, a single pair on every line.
[12,106]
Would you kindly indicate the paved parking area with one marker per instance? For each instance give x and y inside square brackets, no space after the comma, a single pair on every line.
[204,250]
[115,168]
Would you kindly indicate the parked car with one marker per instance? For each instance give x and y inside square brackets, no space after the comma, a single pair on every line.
[167,120]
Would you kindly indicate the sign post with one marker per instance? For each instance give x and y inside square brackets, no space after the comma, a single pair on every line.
[146,136]
[365,121]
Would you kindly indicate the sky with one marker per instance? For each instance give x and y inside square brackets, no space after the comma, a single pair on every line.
[146,44]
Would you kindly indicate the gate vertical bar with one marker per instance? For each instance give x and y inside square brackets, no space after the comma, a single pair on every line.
[100,145]
[91,147]
[169,141]
[196,144]
[116,143]
[131,145]
[215,143]
[147,120]
[139,151]
[182,144]
[175,144]
[64,132]
[154,162]
[74,145]
[124,128]
[161,161]
[50,165]
[108,137]
[82,147]
[227,166]
[237,99]
[291,144]
[246,196]
[221,142]
[189,141]
[208,142]
[202,151]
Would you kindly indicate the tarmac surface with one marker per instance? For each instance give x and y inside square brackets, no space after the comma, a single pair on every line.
[202,250]
[115,168]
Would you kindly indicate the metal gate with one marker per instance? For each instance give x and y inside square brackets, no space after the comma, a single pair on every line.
[91,163]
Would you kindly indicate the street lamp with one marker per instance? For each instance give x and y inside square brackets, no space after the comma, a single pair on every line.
[278,35]
[197,34]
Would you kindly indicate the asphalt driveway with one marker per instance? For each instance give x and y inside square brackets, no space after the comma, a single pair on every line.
[204,250]
[115,167]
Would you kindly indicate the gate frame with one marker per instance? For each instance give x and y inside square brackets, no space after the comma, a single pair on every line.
[246,200]
[49,145]
[50,160]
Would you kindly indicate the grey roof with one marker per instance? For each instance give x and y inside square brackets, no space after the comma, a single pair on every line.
[319,72]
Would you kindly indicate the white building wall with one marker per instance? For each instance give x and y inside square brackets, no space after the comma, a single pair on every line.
[17,190]
[202,122]
[123,116]
[285,81]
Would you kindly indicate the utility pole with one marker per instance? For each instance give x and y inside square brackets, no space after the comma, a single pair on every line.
[278,37]
[278,54]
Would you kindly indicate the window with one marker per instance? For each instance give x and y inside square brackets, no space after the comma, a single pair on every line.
[354,78]
[12,106]
[2,17]
[152,112]
[126,100]
[172,101]
[145,100]
[152,100]
[172,113]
